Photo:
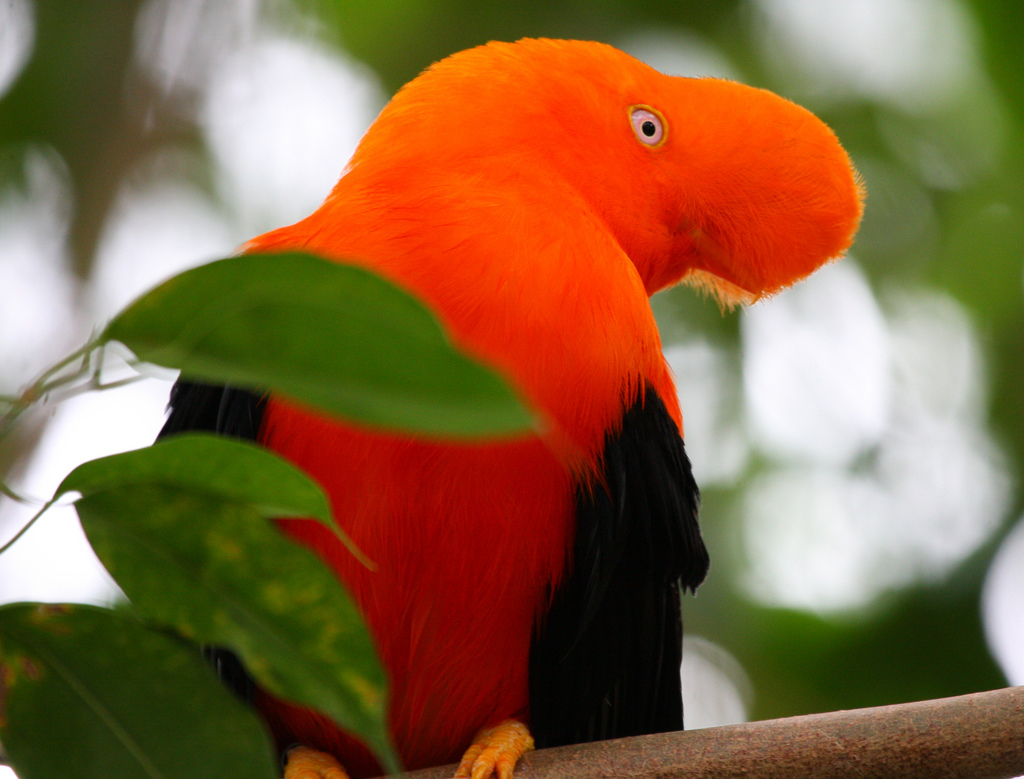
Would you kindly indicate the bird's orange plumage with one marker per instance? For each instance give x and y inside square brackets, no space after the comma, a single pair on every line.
[507,189]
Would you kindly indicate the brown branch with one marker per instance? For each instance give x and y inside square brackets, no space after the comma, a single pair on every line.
[979,736]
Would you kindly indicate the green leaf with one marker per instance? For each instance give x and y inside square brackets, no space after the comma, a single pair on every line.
[221,467]
[224,468]
[330,335]
[89,693]
[218,572]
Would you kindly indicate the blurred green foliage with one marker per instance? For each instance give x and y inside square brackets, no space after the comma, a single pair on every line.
[79,96]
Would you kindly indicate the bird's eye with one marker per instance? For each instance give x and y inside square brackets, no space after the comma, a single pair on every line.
[648,126]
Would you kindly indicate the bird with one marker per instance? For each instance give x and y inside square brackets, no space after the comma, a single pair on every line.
[534,195]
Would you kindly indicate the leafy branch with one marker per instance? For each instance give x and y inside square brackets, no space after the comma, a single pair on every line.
[183,526]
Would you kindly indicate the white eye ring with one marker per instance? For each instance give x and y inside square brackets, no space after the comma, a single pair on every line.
[648,126]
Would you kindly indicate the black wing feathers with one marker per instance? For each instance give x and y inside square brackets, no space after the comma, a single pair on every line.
[214,409]
[605,662]
[230,412]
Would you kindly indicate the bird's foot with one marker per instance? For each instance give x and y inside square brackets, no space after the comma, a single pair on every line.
[306,763]
[496,751]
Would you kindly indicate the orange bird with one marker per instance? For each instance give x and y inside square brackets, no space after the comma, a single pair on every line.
[534,195]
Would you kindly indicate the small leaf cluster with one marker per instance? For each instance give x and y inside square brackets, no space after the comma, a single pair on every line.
[185,528]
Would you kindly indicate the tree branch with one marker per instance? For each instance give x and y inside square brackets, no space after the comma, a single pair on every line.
[979,736]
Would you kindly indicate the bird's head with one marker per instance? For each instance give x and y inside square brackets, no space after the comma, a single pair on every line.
[722,185]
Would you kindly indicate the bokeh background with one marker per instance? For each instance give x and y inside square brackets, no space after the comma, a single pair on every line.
[859,439]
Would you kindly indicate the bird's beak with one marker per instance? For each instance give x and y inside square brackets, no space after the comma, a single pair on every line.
[715,272]
[770,193]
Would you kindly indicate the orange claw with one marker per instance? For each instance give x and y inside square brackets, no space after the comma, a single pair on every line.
[496,750]
[306,763]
